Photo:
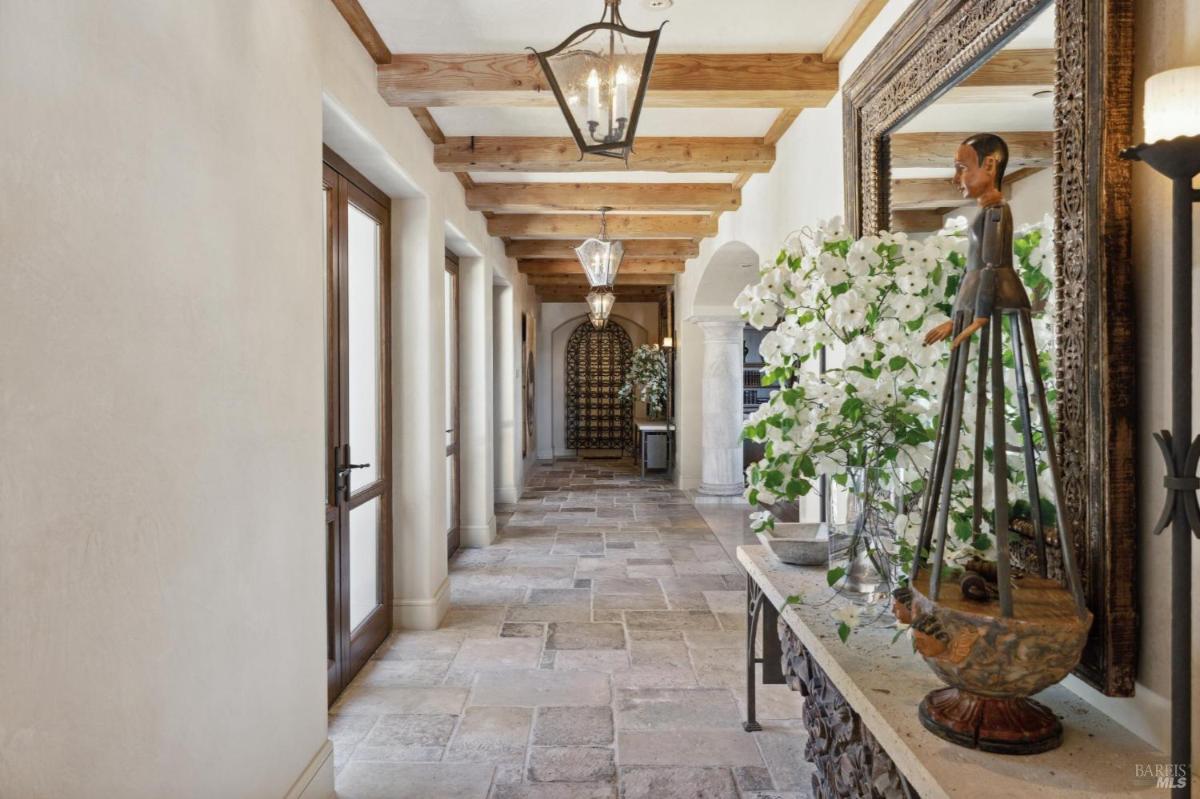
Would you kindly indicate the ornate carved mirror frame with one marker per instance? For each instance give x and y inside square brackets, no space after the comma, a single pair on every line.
[933,46]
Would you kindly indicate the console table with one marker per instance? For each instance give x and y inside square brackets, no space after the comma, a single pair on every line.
[861,702]
[653,427]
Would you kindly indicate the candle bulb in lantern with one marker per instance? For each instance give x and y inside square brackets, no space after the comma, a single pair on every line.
[593,86]
[621,94]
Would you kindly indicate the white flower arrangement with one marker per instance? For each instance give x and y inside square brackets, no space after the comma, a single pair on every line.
[647,376]
[868,303]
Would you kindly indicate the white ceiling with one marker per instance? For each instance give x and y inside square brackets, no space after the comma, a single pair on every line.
[458,121]
[702,26]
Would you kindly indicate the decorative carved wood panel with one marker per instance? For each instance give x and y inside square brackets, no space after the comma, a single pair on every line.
[850,763]
[597,361]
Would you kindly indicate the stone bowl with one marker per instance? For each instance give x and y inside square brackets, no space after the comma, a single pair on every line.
[797,543]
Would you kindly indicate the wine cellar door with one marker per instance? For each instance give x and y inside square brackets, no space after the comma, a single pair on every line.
[597,361]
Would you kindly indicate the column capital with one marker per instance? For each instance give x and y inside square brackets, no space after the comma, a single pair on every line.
[718,328]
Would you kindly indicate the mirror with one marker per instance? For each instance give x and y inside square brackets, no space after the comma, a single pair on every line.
[1053,78]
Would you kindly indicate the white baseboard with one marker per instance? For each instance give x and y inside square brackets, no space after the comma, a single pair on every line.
[474,536]
[545,454]
[422,614]
[316,781]
[508,495]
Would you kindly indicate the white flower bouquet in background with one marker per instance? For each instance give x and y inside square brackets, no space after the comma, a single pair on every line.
[647,377]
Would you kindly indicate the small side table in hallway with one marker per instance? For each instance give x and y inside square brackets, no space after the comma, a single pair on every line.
[651,427]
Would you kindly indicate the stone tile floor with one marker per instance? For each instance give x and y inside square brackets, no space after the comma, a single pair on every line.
[594,651]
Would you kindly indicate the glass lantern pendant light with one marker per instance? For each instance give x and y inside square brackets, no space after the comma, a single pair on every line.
[598,322]
[600,301]
[600,257]
[599,76]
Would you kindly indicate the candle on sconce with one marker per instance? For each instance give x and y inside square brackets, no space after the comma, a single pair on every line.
[621,94]
[593,86]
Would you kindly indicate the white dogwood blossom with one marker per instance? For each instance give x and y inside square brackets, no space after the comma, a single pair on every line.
[867,304]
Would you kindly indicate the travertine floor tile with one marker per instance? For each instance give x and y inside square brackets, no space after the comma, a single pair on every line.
[414,781]
[677,783]
[571,764]
[496,735]
[562,726]
[687,748]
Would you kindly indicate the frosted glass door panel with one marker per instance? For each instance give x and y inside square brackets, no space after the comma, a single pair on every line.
[363,298]
[451,376]
[364,568]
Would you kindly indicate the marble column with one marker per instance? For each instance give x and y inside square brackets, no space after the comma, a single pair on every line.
[721,406]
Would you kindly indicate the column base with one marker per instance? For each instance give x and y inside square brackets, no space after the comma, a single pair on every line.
[721,489]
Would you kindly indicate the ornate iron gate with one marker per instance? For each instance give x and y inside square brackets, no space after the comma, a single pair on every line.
[597,361]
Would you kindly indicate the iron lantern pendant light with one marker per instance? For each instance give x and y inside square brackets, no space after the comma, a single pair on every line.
[598,322]
[600,301]
[599,76]
[600,257]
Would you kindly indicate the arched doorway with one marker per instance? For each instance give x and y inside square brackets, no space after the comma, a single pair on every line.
[596,363]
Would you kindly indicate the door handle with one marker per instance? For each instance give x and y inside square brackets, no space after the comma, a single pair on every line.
[342,473]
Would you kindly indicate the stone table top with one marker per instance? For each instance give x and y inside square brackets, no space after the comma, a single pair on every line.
[884,682]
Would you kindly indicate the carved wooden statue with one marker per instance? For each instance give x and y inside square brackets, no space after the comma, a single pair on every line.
[998,637]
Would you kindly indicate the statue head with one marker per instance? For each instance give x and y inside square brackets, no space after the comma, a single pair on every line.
[979,165]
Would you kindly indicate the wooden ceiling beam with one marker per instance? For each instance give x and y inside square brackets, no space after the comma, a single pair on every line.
[546,154]
[925,220]
[364,29]
[580,280]
[629,266]
[862,16]
[576,226]
[910,194]
[539,197]
[913,194]
[711,80]
[1008,76]
[1025,149]
[634,248]
[628,295]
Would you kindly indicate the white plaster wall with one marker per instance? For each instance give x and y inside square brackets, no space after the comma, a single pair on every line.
[162,575]
[162,410]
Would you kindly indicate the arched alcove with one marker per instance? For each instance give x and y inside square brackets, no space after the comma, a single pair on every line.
[731,267]
[558,339]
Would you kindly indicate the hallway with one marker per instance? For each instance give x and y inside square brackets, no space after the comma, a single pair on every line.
[597,643]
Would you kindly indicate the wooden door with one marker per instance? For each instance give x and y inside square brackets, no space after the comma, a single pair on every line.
[358,452]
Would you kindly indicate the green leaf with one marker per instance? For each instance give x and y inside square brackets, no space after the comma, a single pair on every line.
[962,528]
[835,574]
[897,363]
[843,631]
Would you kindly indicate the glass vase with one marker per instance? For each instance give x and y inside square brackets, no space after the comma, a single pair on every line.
[862,538]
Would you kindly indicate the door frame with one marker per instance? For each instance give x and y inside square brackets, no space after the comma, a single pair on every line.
[349,649]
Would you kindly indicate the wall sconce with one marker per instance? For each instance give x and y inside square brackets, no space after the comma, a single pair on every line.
[1172,119]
